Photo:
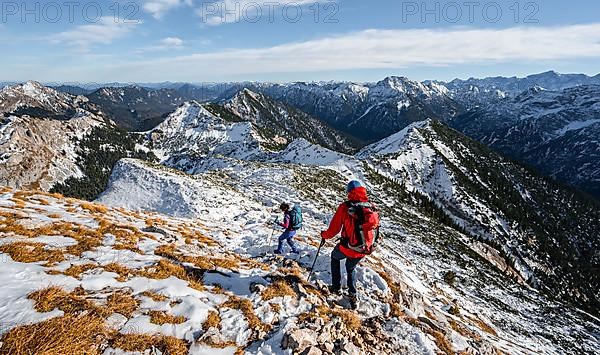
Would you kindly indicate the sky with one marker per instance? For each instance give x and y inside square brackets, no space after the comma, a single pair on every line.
[294,40]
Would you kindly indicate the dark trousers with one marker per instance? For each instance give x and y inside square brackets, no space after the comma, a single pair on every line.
[336,273]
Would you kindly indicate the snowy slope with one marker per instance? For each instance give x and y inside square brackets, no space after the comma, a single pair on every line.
[116,281]
[240,195]
[520,214]
[194,131]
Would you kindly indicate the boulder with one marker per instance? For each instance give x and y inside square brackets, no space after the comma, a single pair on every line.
[313,350]
[299,340]
[348,347]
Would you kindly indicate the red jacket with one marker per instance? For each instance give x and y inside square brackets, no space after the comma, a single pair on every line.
[342,221]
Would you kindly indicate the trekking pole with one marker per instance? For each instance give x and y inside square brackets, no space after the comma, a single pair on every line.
[273,232]
[312,268]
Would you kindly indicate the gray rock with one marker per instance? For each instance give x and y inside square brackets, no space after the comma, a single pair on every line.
[347,347]
[299,339]
[313,350]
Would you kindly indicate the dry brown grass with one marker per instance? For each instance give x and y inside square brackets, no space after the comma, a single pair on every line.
[483,326]
[440,340]
[197,236]
[165,269]
[93,207]
[213,320]
[43,201]
[23,194]
[392,284]
[76,270]
[154,221]
[86,238]
[122,303]
[156,297]
[349,318]
[18,203]
[253,264]
[201,262]
[166,250]
[320,311]
[123,271]
[10,225]
[142,342]
[53,297]
[275,307]
[161,317]
[245,306]
[69,334]
[54,216]
[396,290]
[75,303]
[128,246]
[32,252]
[279,288]
[84,243]
[464,331]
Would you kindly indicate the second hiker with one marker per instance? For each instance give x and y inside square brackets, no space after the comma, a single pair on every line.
[292,221]
[358,223]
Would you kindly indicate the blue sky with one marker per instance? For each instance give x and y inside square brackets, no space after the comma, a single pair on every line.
[289,40]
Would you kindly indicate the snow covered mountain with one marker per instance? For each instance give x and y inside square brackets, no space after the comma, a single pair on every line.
[37,132]
[249,126]
[135,108]
[554,131]
[473,91]
[52,140]
[192,133]
[33,99]
[369,111]
[285,122]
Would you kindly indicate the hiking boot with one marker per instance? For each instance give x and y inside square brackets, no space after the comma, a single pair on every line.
[334,291]
[277,252]
[353,301]
[295,252]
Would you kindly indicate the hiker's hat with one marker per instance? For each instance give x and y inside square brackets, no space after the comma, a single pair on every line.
[352,185]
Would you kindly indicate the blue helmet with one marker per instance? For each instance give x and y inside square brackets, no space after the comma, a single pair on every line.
[352,185]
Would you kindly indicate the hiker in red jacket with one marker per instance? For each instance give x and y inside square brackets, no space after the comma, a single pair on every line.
[345,221]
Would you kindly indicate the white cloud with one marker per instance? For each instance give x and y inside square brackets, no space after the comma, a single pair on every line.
[215,13]
[158,8]
[381,49]
[172,42]
[105,31]
[169,43]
